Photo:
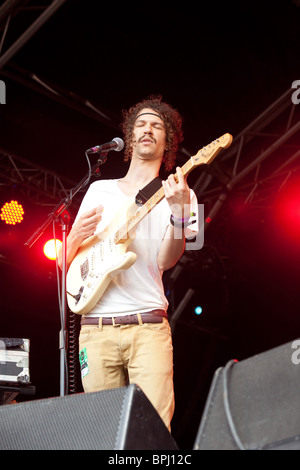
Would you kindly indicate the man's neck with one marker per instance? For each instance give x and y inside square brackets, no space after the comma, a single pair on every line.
[140,174]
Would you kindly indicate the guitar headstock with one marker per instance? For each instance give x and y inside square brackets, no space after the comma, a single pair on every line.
[209,152]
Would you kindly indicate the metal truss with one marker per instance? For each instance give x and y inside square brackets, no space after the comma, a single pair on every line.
[69,99]
[259,162]
[257,166]
[39,185]
[9,10]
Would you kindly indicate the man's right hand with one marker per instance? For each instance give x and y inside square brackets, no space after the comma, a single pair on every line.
[86,224]
[84,228]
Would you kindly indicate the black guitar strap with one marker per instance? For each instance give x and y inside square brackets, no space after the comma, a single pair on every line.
[144,194]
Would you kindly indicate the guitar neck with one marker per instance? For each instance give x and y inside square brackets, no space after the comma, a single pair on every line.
[122,233]
[203,156]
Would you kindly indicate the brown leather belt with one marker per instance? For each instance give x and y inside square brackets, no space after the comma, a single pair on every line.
[155,316]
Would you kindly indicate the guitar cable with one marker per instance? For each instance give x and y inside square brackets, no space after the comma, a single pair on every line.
[71,354]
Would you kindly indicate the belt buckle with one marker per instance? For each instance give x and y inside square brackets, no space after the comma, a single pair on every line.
[118,324]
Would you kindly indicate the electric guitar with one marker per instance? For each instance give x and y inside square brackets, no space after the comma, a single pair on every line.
[103,255]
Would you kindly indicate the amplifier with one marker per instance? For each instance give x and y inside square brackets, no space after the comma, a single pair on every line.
[14,360]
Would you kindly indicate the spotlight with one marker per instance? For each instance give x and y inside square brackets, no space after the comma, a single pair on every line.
[51,247]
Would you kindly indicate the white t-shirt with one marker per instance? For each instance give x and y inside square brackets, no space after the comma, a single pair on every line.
[140,287]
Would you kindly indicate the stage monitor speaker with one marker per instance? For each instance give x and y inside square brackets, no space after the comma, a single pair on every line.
[117,419]
[254,404]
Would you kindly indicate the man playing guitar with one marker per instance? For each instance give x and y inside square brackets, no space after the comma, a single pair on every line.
[125,337]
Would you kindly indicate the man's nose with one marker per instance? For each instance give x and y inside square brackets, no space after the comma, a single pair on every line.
[148,128]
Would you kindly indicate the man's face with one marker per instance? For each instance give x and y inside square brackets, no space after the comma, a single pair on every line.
[149,135]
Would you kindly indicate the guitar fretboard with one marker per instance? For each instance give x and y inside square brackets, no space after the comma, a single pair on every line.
[123,233]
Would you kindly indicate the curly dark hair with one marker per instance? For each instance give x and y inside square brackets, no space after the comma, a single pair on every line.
[172,121]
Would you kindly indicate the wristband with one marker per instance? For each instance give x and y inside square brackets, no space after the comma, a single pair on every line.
[181,223]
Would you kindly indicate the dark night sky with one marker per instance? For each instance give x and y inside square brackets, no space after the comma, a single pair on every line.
[220,64]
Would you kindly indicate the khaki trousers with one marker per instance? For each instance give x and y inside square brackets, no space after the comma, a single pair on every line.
[113,355]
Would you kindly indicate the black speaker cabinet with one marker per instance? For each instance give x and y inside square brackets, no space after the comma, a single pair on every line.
[121,418]
[254,404]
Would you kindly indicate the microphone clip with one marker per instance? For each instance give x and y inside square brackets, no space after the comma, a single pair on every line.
[102,157]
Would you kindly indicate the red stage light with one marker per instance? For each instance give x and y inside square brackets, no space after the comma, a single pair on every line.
[50,250]
[12,213]
[288,210]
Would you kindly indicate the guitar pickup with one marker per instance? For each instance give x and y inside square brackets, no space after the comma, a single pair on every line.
[84,269]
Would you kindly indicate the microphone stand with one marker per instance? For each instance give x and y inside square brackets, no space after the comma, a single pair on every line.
[61,214]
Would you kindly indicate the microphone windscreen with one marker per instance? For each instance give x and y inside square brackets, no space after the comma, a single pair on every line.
[120,143]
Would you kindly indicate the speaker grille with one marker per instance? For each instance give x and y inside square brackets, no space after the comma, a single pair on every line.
[112,419]
[263,404]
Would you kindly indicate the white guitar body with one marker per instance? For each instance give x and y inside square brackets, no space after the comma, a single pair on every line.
[98,259]
[103,255]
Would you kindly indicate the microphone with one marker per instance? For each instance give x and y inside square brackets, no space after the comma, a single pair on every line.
[116,144]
